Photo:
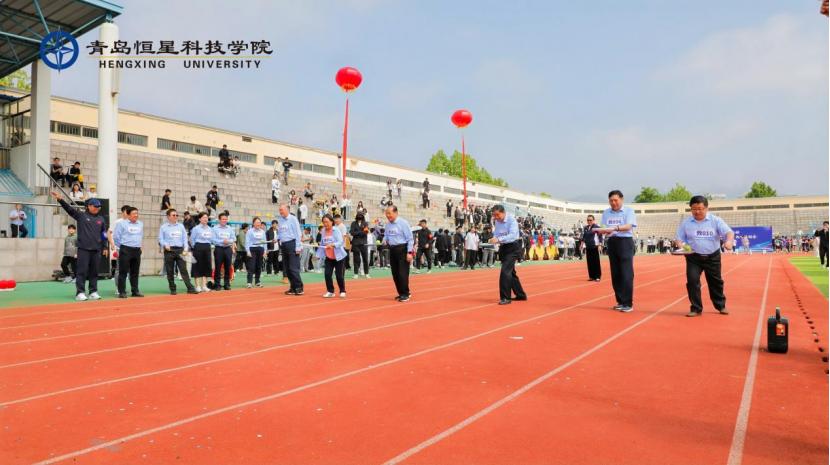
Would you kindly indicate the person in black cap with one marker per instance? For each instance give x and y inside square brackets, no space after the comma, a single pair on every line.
[92,240]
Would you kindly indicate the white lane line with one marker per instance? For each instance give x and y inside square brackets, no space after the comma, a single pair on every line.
[275,347]
[245,328]
[736,452]
[214,317]
[216,302]
[348,374]
[490,408]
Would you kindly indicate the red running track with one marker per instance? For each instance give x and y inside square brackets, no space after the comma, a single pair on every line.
[254,377]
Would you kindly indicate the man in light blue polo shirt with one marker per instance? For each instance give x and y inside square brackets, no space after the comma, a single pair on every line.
[703,232]
[290,236]
[506,234]
[398,236]
[128,236]
[174,244]
[618,224]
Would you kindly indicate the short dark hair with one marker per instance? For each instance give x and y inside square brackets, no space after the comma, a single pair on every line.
[826,222]
[591,216]
[124,208]
[171,210]
[617,193]
[214,187]
[273,222]
[256,218]
[223,214]
[498,208]
[337,216]
[192,197]
[130,210]
[393,207]
[244,226]
[327,215]
[167,190]
[71,226]
[200,215]
[699,199]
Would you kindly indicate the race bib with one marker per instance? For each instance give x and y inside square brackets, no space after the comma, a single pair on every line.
[615,221]
[175,234]
[224,235]
[705,233]
[133,229]
[206,234]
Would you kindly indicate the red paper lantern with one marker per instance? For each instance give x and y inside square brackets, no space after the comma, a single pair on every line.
[462,118]
[348,79]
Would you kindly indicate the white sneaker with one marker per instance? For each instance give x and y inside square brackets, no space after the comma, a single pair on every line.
[94,296]
[368,277]
[206,289]
[429,271]
[198,289]
[328,295]
[342,295]
[356,276]
[67,280]
[249,285]
[259,285]
[81,297]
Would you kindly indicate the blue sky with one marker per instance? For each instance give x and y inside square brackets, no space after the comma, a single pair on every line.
[571,98]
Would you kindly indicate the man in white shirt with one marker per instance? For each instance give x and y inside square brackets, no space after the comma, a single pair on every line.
[194,207]
[302,213]
[16,218]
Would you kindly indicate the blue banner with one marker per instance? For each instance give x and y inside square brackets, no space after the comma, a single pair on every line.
[760,237]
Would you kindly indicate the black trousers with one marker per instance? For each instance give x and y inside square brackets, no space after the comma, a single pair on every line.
[222,257]
[255,264]
[509,283]
[241,259]
[471,258]
[291,264]
[822,253]
[594,269]
[87,270]
[129,262]
[67,264]
[173,260]
[361,256]
[338,267]
[621,258]
[400,268]
[423,252]
[18,230]
[272,262]
[459,256]
[710,266]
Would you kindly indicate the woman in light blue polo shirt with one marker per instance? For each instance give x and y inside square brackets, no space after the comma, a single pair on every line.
[331,250]
[201,237]
[255,247]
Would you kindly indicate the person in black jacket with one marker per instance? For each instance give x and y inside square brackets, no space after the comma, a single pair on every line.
[272,262]
[212,199]
[440,248]
[424,243]
[592,241]
[823,244]
[359,230]
[92,240]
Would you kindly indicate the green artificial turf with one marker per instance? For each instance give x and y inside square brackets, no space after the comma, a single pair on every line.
[812,269]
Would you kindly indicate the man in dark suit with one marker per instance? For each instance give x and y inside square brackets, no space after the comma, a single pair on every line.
[822,244]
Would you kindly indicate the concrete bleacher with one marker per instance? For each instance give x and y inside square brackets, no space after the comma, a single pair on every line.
[143,176]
